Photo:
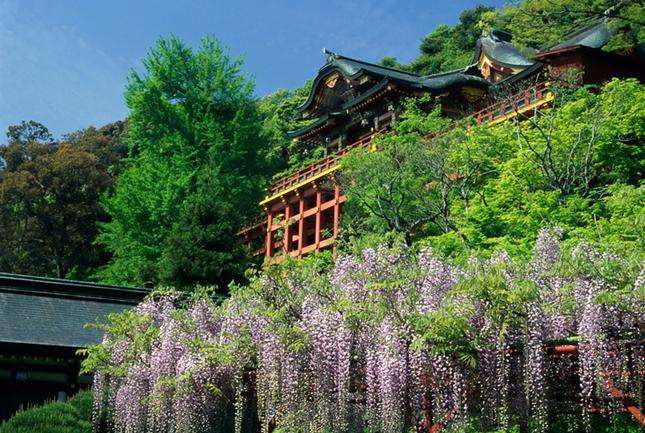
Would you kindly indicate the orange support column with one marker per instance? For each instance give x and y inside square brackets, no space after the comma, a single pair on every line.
[318,215]
[286,242]
[269,239]
[336,210]
[301,225]
[336,215]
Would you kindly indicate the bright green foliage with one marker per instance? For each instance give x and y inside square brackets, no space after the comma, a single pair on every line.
[533,23]
[543,23]
[71,417]
[279,116]
[576,165]
[619,220]
[562,163]
[448,48]
[82,402]
[401,187]
[195,172]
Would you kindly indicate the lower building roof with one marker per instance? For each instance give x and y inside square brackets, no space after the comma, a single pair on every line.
[54,312]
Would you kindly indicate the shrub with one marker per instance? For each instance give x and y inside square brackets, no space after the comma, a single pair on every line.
[71,417]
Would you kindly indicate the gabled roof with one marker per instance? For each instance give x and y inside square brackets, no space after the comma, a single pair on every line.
[53,312]
[352,69]
[497,46]
[593,36]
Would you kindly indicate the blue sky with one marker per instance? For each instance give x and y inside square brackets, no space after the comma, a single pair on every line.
[64,63]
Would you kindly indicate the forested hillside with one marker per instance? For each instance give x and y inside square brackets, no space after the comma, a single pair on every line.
[50,198]
[578,166]
[488,277]
[159,198]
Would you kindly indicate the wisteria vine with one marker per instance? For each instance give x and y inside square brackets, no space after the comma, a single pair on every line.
[387,342]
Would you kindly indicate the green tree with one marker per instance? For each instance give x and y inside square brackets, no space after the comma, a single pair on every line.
[107,143]
[49,201]
[494,187]
[194,173]
[404,186]
[279,112]
[559,166]
[447,47]
[24,140]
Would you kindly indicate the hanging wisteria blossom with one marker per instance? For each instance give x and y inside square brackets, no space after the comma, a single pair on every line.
[390,341]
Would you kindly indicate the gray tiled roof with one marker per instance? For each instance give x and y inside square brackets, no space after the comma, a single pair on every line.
[594,36]
[51,321]
[53,312]
[352,68]
[501,51]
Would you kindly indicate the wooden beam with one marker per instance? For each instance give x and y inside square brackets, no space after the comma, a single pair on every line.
[310,212]
[333,202]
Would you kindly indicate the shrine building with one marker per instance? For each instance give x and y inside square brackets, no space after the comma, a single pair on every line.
[43,325]
[352,100]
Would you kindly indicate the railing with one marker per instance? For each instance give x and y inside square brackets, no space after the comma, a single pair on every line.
[319,166]
[511,105]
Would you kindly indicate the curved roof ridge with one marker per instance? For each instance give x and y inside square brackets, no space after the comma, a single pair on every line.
[596,34]
[342,57]
[590,24]
[500,50]
[463,70]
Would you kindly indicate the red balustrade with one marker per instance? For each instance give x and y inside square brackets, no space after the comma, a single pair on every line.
[319,166]
[510,105]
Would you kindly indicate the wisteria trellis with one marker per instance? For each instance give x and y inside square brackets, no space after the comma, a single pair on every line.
[356,349]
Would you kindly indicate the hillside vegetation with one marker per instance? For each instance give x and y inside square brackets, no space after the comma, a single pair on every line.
[159,199]
[578,166]
[467,260]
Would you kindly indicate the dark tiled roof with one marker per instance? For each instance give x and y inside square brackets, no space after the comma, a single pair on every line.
[53,312]
[594,36]
[497,48]
[440,82]
[352,68]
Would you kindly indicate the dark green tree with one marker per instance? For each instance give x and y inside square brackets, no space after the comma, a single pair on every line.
[195,172]
[49,200]
[447,47]
[29,132]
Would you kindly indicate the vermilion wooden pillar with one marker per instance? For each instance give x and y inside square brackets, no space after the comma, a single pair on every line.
[336,210]
[318,215]
[336,215]
[269,239]
[301,224]
[286,241]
